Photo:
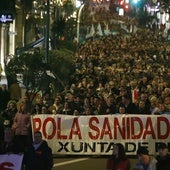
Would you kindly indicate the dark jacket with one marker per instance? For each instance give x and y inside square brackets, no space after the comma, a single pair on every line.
[116,164]
[163,162]
[39,159]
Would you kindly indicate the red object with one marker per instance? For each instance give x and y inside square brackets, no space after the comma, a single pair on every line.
[39,152]
[122,165]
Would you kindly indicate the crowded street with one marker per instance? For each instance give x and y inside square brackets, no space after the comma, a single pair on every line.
[85,87]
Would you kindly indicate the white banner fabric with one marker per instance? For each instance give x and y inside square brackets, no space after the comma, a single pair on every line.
[96,135]
[10,161]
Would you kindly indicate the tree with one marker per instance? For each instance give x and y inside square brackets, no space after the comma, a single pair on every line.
[27,69]
[58,27]
[7,6]
[36,75]
[64,22]
[62,67]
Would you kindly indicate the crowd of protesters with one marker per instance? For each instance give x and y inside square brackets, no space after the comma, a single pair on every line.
[115,74]
[130,71]
[118,72]
[122,73]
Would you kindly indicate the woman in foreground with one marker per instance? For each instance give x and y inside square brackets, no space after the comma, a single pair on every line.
[118,160]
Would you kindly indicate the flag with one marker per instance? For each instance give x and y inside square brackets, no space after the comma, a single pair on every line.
[91,33]
[107,31]
[99,30]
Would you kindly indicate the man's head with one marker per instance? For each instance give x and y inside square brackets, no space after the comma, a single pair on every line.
[162,149]
[143,155]
[37,137]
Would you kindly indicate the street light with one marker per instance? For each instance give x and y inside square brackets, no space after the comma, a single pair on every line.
[47,31]
[78,22]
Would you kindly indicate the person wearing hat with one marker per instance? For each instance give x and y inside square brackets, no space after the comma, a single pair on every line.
[163,157]
[146,162]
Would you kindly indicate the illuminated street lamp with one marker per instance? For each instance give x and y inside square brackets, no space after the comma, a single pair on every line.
[78,22]
[47,31]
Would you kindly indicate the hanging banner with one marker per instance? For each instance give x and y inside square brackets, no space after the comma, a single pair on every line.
[10,162]
[96,135]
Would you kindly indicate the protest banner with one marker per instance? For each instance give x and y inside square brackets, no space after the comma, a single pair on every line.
[96,135]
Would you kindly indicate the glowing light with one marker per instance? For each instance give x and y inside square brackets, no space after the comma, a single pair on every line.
[135,1]
[121,2]
[78,4]
[121,12]
[126,6]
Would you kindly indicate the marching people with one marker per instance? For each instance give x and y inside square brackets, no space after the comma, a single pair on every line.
[5,95]
[121,110]
[38,156]
[9,113]
[146,162]
[37,109]
[22,127]
[118,160]
[6,137]
[163,157]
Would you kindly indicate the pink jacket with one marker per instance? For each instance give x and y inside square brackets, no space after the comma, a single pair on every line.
[21,124]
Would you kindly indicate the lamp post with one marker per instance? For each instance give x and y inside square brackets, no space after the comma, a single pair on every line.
[47,31]
[78,22]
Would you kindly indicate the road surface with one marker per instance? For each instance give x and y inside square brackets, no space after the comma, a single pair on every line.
[82,163]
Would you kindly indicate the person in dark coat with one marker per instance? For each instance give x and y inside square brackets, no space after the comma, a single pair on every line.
[4,97]
[130,107]
[38,156]
[163,157]
[118,160]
